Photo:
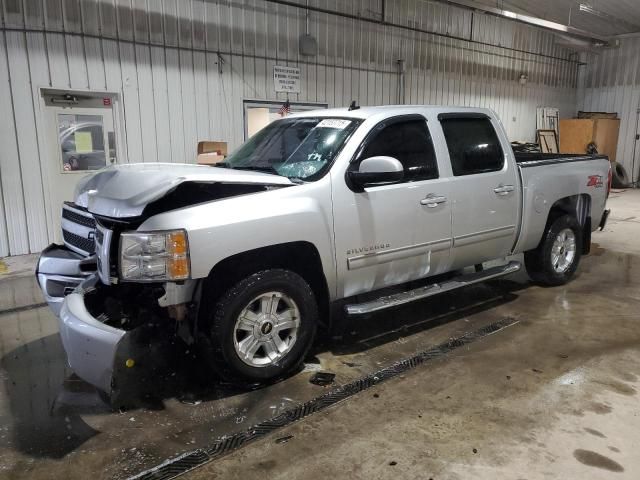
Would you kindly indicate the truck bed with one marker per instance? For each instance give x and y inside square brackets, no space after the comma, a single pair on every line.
[535,159]
[582,177]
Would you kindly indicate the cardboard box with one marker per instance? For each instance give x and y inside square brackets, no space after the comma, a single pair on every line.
[209,147]
[210,153]
[577,133]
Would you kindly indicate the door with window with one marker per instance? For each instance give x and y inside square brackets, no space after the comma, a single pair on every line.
[80,139]
[391,234]
[260,113]
[484,187]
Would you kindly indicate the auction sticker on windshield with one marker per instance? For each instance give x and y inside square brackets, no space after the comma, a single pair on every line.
[334,123]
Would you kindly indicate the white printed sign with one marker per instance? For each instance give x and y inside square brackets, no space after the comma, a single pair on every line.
[286,79]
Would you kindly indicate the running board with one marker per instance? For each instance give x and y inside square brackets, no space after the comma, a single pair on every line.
[431,290]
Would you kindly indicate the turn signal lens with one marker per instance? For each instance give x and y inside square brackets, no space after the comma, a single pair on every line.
[177,243]
[178,268]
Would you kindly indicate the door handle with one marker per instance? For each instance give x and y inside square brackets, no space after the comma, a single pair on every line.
[433,200]
[503,190]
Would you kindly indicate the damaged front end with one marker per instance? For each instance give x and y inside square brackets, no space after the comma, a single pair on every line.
[118,338]
[125,298]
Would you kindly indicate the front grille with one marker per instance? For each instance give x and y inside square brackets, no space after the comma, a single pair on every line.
[78,229]
[78,218]
[84,244]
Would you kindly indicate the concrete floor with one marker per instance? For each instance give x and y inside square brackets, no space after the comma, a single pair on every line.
[554,395]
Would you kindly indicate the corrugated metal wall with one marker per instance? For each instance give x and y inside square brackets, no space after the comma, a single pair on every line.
[162,57]
[612,84]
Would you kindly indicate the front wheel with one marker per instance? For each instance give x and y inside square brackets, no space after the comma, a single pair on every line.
[557,257]
[262,327]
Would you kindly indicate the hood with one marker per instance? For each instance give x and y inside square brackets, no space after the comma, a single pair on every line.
[121,191]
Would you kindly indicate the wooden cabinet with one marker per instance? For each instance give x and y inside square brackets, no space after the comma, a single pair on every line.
[577,133]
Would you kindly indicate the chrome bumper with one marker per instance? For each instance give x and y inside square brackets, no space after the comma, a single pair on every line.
[59,272]
[91,346]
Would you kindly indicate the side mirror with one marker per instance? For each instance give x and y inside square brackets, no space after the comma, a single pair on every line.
[377,171]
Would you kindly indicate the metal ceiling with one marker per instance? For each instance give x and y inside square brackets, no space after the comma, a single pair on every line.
[605,18]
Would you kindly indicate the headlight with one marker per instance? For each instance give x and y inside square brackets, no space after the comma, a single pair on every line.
[154,256]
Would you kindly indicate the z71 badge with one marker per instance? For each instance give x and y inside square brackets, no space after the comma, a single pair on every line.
[595,181]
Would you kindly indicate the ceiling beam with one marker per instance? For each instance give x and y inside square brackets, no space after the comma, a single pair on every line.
[596,40]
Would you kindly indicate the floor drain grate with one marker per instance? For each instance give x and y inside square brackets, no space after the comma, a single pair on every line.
[23,308]
[189,460]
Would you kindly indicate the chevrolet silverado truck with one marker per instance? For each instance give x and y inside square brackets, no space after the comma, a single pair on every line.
[321,215]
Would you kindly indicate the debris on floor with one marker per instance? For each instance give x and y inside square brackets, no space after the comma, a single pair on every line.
[190,399]
[284,439]
[351,364]
[322,378]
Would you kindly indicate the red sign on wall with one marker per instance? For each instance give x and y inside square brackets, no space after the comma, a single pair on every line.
[106,102]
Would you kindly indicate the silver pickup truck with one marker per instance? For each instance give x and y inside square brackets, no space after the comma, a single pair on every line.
[320,215]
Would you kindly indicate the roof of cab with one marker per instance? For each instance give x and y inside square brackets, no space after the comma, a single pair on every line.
[366,112]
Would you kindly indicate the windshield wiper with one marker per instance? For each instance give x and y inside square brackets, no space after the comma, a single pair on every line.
[256,168]
[222,165]
[264,169]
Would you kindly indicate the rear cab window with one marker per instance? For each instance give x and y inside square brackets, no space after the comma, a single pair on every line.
[473,144]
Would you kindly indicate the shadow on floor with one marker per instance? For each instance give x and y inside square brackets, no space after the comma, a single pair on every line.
[367,331]
[46,400]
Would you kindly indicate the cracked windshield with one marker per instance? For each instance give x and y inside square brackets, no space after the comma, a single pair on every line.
[301,148]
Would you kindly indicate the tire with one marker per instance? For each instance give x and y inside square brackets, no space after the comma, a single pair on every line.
[250,299]
[542,264]
[619,178]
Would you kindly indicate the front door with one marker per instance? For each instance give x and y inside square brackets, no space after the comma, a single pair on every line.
[81,139]
[391,234]
[484,188]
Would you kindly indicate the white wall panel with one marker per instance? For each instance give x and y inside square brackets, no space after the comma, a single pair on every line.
[57,60]
[161,104]
[39,78]
[161,57]
[27,140]
[14,219]
[146,104]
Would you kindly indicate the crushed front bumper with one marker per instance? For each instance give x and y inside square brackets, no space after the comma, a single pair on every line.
[118,339]
[91,346]
[59,272]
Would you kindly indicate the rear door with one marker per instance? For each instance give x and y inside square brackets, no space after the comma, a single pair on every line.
[391,234]
[484,188]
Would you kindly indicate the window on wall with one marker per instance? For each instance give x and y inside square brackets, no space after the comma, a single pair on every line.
[81,140]
[473,145]
[258,114]
[409,142]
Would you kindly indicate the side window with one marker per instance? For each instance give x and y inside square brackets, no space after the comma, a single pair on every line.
[408,141]
[473,145]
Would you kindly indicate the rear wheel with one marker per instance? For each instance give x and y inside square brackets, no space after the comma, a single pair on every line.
[557,257]
[262,327]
